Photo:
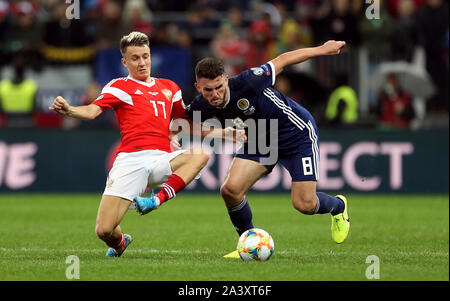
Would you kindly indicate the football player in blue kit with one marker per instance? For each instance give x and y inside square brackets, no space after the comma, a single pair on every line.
[251,96]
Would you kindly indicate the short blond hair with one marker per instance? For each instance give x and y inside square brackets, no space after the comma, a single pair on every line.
[135,38]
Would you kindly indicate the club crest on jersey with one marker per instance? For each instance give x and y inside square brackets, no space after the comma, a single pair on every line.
[167,93]
[257,71]
[244,105]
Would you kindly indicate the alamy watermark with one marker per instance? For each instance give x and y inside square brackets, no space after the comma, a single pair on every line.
[73,270]
[373,9]
[73,9]
[262,136]
[373,270]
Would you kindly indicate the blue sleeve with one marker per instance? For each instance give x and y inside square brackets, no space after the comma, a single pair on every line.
[259,78]
[196,108]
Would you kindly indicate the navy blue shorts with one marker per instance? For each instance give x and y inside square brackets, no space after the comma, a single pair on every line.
[302,159]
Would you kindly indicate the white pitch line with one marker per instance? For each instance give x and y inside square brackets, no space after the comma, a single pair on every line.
[281,252]
[102,250]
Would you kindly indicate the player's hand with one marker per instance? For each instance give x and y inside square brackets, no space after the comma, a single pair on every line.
[241,136]
[235,135]
[174,144]
[60,106]
[332,47]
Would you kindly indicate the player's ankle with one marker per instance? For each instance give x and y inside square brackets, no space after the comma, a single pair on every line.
[158,202]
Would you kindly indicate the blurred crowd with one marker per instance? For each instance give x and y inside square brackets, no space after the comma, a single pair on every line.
[39,33]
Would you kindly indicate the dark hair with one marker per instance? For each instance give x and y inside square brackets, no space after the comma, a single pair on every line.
[135,38]
[209,68]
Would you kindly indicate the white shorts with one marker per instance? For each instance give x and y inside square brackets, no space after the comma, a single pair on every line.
[133,172]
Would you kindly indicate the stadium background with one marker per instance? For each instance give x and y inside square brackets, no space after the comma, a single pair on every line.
[376,137]
[372,138]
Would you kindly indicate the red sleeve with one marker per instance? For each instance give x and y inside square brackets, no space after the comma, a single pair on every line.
[107,99]
[178,107]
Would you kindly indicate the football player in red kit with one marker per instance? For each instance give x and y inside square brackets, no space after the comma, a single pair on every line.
[144,107]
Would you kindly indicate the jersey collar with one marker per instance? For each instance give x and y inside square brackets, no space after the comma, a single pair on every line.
[150,84]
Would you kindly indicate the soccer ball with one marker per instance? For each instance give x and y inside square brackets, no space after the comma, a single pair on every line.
[255,244]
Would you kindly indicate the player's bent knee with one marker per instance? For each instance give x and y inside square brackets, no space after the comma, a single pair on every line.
[231,194]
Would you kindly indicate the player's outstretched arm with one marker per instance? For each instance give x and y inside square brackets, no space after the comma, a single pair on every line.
[199,130]
[300,55]
[234,135]
[88,112]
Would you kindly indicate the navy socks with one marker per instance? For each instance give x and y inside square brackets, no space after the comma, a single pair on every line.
[241,216]
[328,204]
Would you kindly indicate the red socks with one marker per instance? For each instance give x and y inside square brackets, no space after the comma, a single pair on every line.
[169,191]
[170,188]
[117,243]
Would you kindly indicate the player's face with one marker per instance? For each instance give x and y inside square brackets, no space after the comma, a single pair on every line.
[138,62]
[215,91]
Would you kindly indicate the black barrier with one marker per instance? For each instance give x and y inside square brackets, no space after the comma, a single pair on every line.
[350,160]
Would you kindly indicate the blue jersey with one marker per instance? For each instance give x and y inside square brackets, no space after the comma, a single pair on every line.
[252,97]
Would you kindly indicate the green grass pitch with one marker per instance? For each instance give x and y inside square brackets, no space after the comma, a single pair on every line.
[186,238]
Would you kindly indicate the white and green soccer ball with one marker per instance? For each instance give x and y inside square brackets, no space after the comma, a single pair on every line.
[255,244]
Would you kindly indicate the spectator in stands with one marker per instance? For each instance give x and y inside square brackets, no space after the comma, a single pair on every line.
[284,9]
[235,17]
[25,34]
[90,15]
[394,105]
[342,106]
[112,26]
[433,28]
[202,23]
[394,6]
[404,37]
[138,15]
[304,12]
[17,96]
[173,35]
[376,34]
[357,8]
[183,38]
[65,40]
[267,12]
[337,22]
[261,45]
[293,36]
[4,28]
[88,5]
[230,48]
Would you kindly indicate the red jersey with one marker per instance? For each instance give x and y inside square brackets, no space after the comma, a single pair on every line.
[143,110]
